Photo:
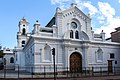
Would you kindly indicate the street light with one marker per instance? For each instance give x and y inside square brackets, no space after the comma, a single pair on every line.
[40,51]
[53,53]
[16,58]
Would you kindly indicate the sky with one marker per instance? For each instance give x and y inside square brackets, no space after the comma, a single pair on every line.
[105,15]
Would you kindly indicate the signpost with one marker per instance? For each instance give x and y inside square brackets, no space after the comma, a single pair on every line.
[53,53]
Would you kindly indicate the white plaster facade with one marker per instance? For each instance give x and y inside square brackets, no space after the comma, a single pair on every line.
[8,59]
[68,31]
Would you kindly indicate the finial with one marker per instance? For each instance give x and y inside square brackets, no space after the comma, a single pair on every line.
[37,23]
[23,19]
[88,15]
[58,9]
[73,4]
[36,20]
[102,30]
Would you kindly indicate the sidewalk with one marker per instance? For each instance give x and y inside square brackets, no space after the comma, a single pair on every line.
[90,78]
[23,75]
[82,78]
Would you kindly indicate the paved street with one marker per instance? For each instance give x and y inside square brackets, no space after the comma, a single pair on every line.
[82,78]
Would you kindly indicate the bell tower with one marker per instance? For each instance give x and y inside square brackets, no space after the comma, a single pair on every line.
[22,35]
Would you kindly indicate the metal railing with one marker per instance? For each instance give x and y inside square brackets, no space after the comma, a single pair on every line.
[61,72]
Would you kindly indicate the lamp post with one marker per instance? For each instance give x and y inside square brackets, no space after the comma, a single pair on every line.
[40,51]
[15,58]
[53,53]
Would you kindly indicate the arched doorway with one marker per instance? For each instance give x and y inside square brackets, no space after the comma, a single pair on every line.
[75,62]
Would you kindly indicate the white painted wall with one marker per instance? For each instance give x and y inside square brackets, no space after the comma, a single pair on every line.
[33,54]
[8,55]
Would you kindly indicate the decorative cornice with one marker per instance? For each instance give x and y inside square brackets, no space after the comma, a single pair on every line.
[105,43]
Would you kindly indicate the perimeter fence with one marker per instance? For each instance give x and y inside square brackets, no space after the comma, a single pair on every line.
[60,72]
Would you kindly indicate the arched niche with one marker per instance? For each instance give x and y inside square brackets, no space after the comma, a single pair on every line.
[47,53]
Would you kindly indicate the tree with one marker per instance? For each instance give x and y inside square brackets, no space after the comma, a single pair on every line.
[1,52]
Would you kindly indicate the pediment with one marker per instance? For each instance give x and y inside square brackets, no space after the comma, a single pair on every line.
[75,11]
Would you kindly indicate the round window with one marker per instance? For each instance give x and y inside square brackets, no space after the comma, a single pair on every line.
[73,25]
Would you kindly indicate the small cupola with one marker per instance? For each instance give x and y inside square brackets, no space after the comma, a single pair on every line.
[23,26]
[23,21]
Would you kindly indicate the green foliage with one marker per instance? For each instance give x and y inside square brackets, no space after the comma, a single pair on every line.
[1,54]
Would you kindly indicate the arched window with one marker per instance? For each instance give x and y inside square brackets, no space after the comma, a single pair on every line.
[76,35]
[23,25]
[11,60]
[23,43]
[71,34]
[47,53]
[23,31]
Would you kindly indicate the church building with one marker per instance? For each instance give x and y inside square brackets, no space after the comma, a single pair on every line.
[76,45]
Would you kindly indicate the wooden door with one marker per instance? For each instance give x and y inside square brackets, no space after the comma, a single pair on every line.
[110,68]
[75,62]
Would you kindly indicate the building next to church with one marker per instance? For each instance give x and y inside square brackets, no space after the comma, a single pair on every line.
[8,58]
[115,36]
[76,45]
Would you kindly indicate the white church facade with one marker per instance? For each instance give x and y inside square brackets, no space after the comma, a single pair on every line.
[76,45]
